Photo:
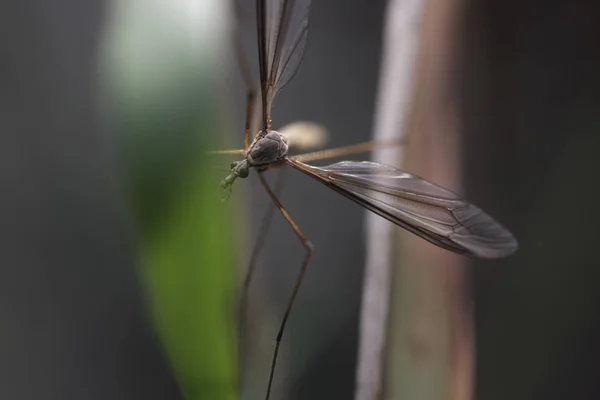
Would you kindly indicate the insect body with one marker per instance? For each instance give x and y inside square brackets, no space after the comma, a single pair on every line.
[266,148]
[419,206]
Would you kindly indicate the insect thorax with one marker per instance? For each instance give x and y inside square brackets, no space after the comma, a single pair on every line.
[267,149]
[264,150]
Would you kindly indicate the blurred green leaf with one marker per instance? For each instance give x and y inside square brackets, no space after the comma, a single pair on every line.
[163,83]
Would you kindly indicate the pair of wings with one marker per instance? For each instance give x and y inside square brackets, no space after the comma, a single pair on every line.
[419,206]
[282,34]
[423,208]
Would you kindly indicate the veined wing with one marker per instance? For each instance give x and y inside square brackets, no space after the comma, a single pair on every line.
[282,33]
[425,209]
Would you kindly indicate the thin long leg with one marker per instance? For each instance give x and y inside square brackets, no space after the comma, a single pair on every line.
[364,147]
[256,119]
[260,241]
[249,103]
[263,229]
[347,150]
[228,152]
[246,75]
[308,247]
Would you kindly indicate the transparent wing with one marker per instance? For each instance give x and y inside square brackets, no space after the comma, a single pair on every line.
[428,210]
[282,34]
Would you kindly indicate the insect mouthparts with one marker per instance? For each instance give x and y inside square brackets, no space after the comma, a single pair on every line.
[239,169]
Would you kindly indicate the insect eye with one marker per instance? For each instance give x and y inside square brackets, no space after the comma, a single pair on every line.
[243,172]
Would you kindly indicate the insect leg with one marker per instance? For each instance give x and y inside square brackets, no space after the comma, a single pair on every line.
[364,147]
[308,248]
[249,103]
[246,75]
[260,241]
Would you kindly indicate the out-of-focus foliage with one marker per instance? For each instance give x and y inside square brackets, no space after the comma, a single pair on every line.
[161,61]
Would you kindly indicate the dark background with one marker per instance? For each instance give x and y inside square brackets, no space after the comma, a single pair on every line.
[72,321]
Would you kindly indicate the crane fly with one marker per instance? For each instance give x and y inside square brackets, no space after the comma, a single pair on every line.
[435,214]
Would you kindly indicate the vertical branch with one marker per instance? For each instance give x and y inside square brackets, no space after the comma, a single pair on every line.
[430,346]
[430,349]
[394,95]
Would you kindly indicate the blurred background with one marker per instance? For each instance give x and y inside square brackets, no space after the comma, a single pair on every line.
[120,267]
